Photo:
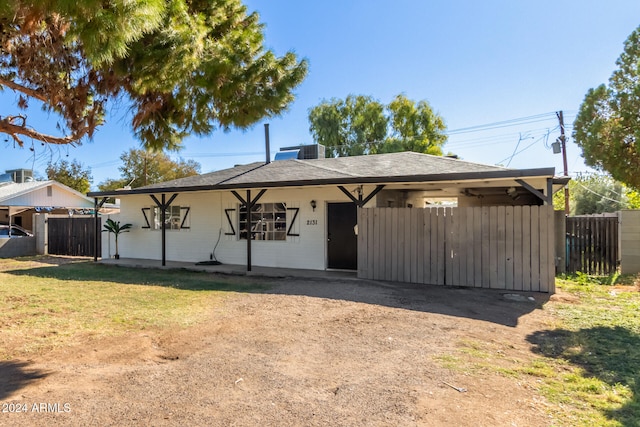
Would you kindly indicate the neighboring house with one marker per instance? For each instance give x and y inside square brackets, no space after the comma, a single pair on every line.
[303,213]
[19,201]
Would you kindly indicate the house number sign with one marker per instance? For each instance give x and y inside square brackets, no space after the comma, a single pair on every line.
[312,222]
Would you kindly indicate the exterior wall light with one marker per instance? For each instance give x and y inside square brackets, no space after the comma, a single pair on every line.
[313,205]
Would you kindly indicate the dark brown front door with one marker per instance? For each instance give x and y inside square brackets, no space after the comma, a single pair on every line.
[342,245]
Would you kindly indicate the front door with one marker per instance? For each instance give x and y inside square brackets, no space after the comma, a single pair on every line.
[342,242]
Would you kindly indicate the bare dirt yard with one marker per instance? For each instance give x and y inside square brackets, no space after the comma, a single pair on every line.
[302,352]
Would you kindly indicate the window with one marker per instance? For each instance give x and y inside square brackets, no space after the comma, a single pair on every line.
[176,217]
[268,221]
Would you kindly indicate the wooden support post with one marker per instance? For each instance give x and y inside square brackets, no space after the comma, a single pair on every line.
[249,204]
[96,209]
[163,204]
[249,236]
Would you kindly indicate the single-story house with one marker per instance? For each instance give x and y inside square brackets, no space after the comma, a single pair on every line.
[303,214]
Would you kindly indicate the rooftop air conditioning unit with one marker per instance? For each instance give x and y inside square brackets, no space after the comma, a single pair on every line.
[313,151]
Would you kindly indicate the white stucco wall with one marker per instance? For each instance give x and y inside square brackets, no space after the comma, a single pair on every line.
[207,219]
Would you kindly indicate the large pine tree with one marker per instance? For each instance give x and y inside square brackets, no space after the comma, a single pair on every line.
[184,67]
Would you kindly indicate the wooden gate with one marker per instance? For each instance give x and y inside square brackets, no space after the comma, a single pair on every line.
[73,236]
[592,244]
[499,247]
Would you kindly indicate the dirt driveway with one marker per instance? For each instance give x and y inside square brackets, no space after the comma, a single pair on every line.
[303,352]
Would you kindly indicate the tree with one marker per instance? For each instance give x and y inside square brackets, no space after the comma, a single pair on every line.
[607,127]
[114,227]
[140,167]
[361,125]
[414,127]
[350,127]
[70,174]
[595,194]
[183,67]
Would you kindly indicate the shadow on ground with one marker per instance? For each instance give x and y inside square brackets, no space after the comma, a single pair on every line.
[479,304]
[610,354]
[16,375]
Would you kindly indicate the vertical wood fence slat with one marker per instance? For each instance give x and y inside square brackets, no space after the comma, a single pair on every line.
[362,254]
[448,249]
[434,250]
[470,255]
[493,246]
[526,248]
[427,260]
[509,233]
[389,244]
[517,248]
[545,256]
[501,264]
[486,259]
[407,244]
[535,250]
[371,261]
[550,283]
[416,245]
[477,247]
[378,243]
[441,230]
[463,240]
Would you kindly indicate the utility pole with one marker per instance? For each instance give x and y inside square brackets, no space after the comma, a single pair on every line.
[563,139]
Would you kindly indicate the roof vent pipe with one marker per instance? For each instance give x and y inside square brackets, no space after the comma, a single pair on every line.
[266,142]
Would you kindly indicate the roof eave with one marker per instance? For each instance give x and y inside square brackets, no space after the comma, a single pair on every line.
[459,176]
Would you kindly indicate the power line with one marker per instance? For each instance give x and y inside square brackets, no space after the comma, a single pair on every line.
[525,148]
[497,139]
[505,123]
[598,194]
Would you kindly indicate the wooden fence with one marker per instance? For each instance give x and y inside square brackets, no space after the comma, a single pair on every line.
[592,244]
[499,247]
[72,236]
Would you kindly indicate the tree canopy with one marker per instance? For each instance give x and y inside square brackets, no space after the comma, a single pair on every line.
[361,125]
[140,167]
[182,67]
[72,174]
[607,127]
[595,194]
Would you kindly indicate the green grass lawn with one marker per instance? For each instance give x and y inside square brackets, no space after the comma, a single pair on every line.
[47,306]
[586,363]
[590,363]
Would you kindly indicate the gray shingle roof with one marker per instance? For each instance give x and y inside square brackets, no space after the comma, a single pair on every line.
[393,167]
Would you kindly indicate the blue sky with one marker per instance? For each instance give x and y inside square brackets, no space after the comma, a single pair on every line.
[475,62]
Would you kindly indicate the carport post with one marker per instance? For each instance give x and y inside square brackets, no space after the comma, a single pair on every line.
[249,209]
[249,204]
[163,204]
[96,218]
[163,216]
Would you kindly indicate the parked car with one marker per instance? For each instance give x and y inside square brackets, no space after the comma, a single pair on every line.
[16,231]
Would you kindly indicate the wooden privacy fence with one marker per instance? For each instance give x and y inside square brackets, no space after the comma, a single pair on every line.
[498,247]
[592,244]
[72,236]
